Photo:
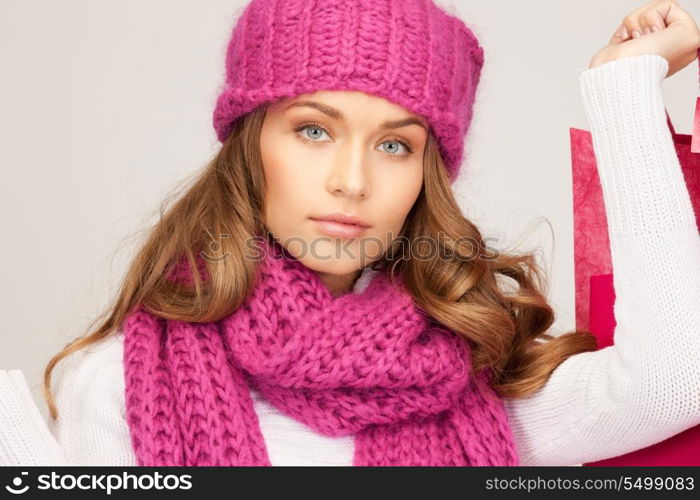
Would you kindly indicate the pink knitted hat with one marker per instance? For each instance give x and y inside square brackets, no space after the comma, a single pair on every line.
[407,51]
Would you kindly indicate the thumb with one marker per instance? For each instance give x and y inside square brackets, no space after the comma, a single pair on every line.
[675,14]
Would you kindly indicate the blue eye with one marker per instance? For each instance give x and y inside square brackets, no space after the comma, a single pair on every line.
[317,128]
[310,126]
[400,144]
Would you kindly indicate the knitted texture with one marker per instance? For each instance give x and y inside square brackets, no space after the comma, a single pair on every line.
[370,365]
[410,52]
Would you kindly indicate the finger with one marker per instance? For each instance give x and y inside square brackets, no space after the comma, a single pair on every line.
[634,27]
[654,19]
[620,35]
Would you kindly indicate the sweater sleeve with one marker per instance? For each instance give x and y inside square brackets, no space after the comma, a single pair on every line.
[646,387]
[25,439]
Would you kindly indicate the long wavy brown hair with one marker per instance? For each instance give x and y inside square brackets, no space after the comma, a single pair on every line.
[465,287]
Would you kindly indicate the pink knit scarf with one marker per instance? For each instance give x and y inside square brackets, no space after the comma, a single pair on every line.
[370,365]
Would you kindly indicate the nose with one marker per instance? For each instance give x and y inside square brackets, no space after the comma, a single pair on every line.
[348,176]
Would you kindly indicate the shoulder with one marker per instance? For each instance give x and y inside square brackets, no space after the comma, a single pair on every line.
[97,367]
[89,393]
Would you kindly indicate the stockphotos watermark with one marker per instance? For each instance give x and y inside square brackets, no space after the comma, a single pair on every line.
[365,249]
[102,482]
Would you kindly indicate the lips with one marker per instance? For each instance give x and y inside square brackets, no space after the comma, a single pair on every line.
[340,225]
[342,219]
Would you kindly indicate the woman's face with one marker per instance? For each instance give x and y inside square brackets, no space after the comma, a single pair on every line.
[340,152]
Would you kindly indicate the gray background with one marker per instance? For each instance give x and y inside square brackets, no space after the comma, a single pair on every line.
[105,106]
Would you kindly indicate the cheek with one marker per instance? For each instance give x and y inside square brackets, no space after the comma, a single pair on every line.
[285,162]
[287,187]
[396,197]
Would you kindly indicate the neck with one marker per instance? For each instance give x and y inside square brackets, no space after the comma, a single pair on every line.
[339,284]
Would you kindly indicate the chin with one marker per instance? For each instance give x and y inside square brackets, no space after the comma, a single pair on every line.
[339,267]
[327,255]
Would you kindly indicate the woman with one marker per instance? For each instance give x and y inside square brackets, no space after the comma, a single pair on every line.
[286,309]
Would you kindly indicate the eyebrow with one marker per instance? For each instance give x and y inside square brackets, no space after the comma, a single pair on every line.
[338,115]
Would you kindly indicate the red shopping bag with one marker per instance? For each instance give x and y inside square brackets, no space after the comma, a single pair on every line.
[595,295]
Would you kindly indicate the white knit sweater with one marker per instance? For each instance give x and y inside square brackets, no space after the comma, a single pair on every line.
[595,405]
